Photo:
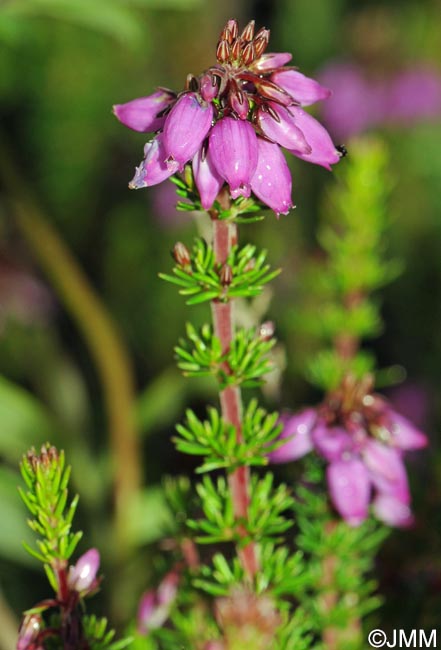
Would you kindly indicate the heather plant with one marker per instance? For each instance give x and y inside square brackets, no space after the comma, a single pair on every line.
[253,561]
[60,621]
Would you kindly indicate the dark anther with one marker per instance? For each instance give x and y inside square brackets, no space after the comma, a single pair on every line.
[342,150]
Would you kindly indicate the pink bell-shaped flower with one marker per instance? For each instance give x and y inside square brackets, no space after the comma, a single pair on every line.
[323,151]
[143,114]
[349,487]
[297,433]
[185,128]
[280,126]
[234,152]
[153,169]
[271,182]
[207,179]
[302,89]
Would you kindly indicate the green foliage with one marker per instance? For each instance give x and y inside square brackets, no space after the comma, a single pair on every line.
[11,511]
[339,309]
[295,632]
[46,477]
[219,443]
[241,210]
[266,517]
[118,19]
[217,580]
[243,364]
[327,368]
[100,637]
[205,280]
[340,560]
[46,498]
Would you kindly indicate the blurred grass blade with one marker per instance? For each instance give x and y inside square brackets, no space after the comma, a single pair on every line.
[113,18]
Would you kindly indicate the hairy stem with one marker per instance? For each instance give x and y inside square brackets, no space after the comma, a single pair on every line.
[224,237]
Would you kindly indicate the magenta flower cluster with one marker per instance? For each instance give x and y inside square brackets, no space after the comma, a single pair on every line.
[231,122]
[363,440]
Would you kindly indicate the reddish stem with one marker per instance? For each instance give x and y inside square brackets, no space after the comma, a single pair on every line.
[224,237]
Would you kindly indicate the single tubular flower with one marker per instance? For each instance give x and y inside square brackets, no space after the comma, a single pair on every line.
[230,122]
[363,440]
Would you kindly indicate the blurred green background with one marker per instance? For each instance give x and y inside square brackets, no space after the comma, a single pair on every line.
[86,326]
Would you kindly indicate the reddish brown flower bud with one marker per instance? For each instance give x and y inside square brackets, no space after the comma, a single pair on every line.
[223,51]
[261,43]
[248,33]
[226,275]
[181,254]
[248,54]
[233,28]
[266,330]
[239,103]
[236,49]
[208,87]
[263,31]
[226,35]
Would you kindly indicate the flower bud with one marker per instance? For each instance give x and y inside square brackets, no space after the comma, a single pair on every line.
[248,32]
[223,51]
[29,631]
[239,103]
[82,576]
[236,49]
[209,87]
[266,330]
[226,275]
[248,54]
[181,254]
[261,42]
[233,28]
